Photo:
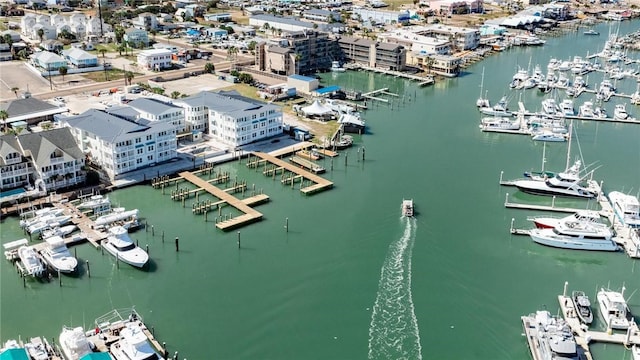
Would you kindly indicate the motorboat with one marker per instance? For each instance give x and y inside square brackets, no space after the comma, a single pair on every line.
[336,67]
[546,135]
[550,222]
[46,215]
[564,66]
[57,255]
[499,109]
[48,223]
[591,32]
[309,154]
[635,352]
[499,122]
[530,83]
[586,110]
[582,305]
[566,107]
[407,208]
[61,231]
[550,107]
[614,309]
[74,343]
[626,208]
[31,264]
[620,112]
[133,345]
[39,349]
[566,183]
[117,214]
[93,202]
[549,337]
[120,245]
[576,234]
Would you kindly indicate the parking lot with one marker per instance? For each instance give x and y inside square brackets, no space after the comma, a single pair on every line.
[16,74]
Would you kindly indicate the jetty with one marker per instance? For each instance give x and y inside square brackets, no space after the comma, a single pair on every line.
[283,166]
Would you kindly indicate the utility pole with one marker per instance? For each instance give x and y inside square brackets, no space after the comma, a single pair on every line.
[49,69]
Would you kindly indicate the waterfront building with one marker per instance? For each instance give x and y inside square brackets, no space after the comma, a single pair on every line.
[297,52]
[156,110]
[445,65]
[380,16]
[373,54]
[417,43]
[457,7]
[321,15]
[292,24]
[30,110]
[119,145]
[155,59]
[460,38]
[79,58]
[218,17]
[51,156]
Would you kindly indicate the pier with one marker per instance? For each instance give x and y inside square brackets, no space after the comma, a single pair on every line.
[423,80]
[320,183]
[250,215]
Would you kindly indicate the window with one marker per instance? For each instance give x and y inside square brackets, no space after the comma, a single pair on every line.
[140,151]
[149,137]
[138,140]
[150,148]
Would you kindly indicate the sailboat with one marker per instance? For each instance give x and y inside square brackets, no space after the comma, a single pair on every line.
[542,174]
[482,102]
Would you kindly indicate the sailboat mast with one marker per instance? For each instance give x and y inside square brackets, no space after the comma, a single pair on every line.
[544,158]
[569,145]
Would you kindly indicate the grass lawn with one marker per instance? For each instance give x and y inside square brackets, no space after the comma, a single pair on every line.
[112,74]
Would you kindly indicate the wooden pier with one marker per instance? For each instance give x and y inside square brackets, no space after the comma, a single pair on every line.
[307,164]
[423,80]
[551,207]
[250,215]
[320,183]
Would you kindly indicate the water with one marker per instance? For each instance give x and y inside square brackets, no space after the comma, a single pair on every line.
[350,279]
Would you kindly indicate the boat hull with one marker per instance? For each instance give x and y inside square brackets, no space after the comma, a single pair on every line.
[537,189]
[548,238]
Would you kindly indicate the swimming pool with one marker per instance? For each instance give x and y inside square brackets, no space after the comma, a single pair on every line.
[11,192]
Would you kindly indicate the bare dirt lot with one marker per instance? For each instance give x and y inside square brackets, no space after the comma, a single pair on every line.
[15,74]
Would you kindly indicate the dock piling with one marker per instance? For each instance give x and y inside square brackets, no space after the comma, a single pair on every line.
[177,244]
[238,239]
[146,247]
[163,236]
[286,224]
[88,268]
[59,278]
[153,232]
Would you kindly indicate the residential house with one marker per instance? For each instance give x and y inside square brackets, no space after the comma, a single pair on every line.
[136,36]
[118,145]
[445,65]
[57,20]
[15,36]
[193,11]
[52,46]
[15,169]
[94,27]
[145,21]
[49,32]
[48,61]
[457,7]
[380,16]
[218,17]
[216,33]
[43,19]
[321,15]
[30,110]
[79,58]
[26,24]
[155,59]
[155,110]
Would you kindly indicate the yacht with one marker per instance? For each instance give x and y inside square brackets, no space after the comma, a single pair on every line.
[39,349]
[482,102]
[566,107]
[31,264]
[582,305]
[547,135]
[58,256]
[566,183]
[564,66]
[45,214]
[407,208]
[120,245]
[499,122]
[336,67]
[549,337]
[74,343]
[600,112]
[48,223]
[620,112]
[591,32]
[499,109]
[577,234]
[614,310]
[626,207]
[133,345]
[550,222]
[586,109]
[61,231]
[550,107]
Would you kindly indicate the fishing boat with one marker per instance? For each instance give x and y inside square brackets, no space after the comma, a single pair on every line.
[74,343]
[133,345]
[57,255]
[31,264]
[582,305]
[576,234]
[591,32]
[614,309]
[550,107]
[565,183]
[39,349]
[586,110]
[499,109]
[499,122]
[120,245]
[549,337]
[626,207]
[550,222]
[61,231]
[407,208]
[548,135]
[566,107]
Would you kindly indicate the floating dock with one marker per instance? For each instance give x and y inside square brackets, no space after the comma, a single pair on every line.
[307,164]
[320,183]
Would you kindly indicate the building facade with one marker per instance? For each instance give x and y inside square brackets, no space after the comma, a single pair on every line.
[155,59]
[156,110]
[373,54]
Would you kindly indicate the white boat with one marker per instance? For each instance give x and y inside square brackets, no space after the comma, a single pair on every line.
[591,32]
[582,305]
[336,67]
[586,109]
[120,245]
[566,183]
[57,255]
[635,352]
[549,337]
[31,264]
[550,107]
[550,222]
[482,102]
[94,201]
[566,107]
[39,349]
[407,208]
[576,234]
[499,122]
[49,223]
[626,207]
[499,109]
[564,66]
[74,343]
[614,310]
[118,214]
[46,215]
[11,248]
[546,135]
[620,112]
[133,345]
[61,231]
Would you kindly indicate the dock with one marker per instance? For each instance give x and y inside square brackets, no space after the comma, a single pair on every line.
[423,80]
[249,214]
[319,182]
[307,164]
[551,207]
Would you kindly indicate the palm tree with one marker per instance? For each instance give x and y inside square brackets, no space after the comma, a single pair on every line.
[209,68]
[128,75]
[121,48]
[175,94]
[40,33]
[102,51]
[119,32]
[63,71]
[22,54]
[232,52]
[7,39]
[15,90]
[4,115]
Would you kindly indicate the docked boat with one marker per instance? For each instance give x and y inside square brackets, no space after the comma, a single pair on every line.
[550,107]
[11,248]
[133,345]
[98,204]
[61,231]
[31,264]
[626,207]
[576,234]
[39,349]
[48,223]
[586,110]
[74,343]
[336,67]
[582,305]
[566,107]
[566,183]
[352,123]
[482,101]
[620,112]
[41,215]
[120,245]
[118,214]
[499,122]
[591,32]
[547,135]
[635,352]
[309,155]
[549,337]
[550,222]
[57,255]
[407,208]
[499,109]
[614,309]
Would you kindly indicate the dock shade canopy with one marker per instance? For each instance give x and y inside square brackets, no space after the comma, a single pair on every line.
[316,109]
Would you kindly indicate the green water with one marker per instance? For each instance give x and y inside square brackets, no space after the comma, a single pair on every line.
[351,279]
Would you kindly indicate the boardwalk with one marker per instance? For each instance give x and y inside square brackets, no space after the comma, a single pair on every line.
[250,215]
[320,183]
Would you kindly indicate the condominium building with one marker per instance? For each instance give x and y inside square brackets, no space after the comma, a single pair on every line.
[297,52]
[156,110]
[371,53]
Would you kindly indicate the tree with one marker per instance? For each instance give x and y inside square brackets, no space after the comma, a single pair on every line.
[15,90]
[121,48]
[22,54]
[7,39]
[266,27]
[232,52]
[153,34]
[157,90]
[40,33]
[102,51]
[128,75]
[209,68]
[175,94]
[119,32]
[4,115]
[245,78]
[252,45]
[63,71]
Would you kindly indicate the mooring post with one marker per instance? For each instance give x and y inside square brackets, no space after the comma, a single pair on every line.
[59,278]
[238,239]
[153,231]
[88,268]
[177,244]
[286,224]
[363,153]
[146,247]
[163,236]
[345,158]
[117,261]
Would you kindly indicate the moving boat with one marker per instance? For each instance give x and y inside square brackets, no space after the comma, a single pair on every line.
[120,245]
[57,255]
[31,264]
[626,208]
[74,343]
[614,309]
[576,234]
[407,208]
[133,345]
[583,307]
[549,337]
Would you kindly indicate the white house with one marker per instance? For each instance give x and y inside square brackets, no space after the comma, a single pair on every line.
[155,110]
[48,60]
[155,59]
[196,112]
[93,27]
[43,19]
[57,20]
[26,24]
[49,32]
[145,21]
[119,146]
[136,36]
[417,43]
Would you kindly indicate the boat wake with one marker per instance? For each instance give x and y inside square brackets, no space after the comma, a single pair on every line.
[393,332]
